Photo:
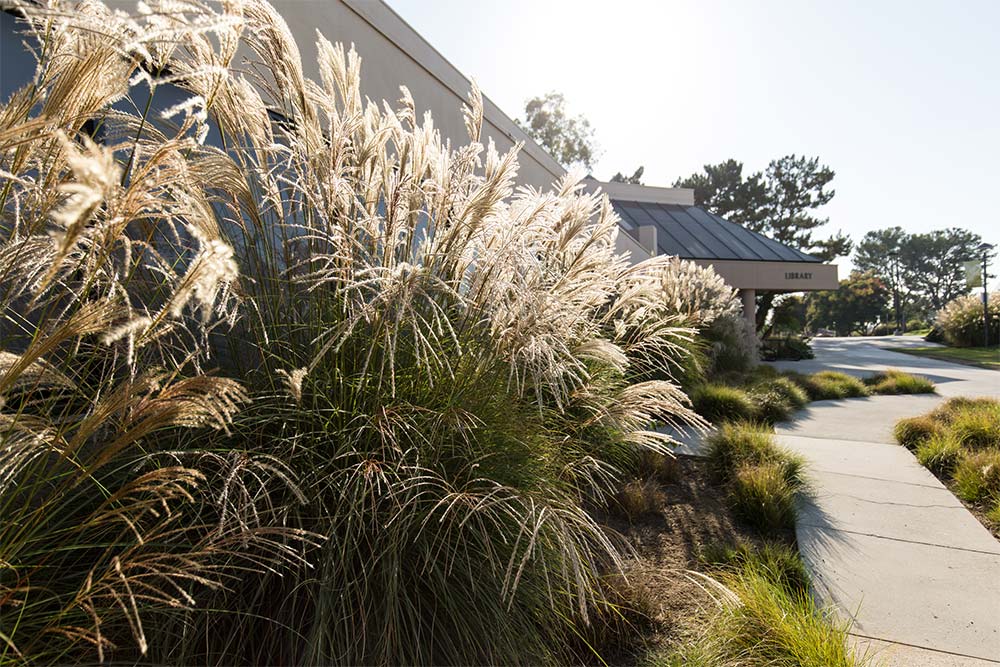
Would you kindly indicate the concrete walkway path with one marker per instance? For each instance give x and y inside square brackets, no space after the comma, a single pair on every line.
[885,540]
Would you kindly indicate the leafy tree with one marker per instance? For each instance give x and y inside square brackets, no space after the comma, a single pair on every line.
[933,263]
[852,308]
[724,191]
[570,140]
[789,314]
[635,179]
[880,252]
[780,202]
[928,271]
[796,186]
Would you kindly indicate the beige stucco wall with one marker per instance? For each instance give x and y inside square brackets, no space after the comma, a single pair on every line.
[393,54]
[775,276]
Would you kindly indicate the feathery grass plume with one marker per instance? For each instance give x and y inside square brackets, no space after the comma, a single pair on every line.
[961,320]
[103,246]
[479,361]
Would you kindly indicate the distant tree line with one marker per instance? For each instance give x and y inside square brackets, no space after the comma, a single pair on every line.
[900,277]
[901,281]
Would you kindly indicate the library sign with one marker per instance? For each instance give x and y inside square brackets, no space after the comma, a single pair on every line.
[776,276]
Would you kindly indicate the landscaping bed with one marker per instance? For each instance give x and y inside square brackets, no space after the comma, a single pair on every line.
[960,443]
[716,578]
[768,396]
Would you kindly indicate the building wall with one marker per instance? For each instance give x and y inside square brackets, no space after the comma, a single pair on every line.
[392,53]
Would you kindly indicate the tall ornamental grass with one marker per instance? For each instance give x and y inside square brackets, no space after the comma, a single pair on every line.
[961,320]
[288,378]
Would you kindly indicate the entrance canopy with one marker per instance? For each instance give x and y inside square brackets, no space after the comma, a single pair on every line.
[665,221]
[745,259]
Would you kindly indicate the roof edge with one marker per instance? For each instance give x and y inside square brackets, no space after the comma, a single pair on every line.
[645,193]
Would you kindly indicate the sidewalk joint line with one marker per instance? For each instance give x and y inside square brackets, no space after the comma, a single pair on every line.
[889,503]
[925,485]
[817,437]
[900,539]
[924,648]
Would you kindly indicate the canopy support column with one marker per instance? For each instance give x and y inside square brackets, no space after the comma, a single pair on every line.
[749,298]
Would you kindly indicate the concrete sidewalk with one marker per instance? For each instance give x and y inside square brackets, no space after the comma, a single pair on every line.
[885,540]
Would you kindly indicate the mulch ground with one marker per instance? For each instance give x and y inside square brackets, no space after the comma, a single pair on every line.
[667,543]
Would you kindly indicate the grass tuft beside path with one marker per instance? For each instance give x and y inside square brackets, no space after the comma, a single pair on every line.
[959,441]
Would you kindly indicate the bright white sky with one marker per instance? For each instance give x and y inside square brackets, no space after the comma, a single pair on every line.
[900,98]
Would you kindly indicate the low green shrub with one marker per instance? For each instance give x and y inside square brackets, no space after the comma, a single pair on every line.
[762,496]
[791,348]
[912,431]
[829,385]
[719,402]
[793,394]
[734,445]
[894,381]
[935,335]
[882,329]
[770,405]
[977,476]
[940,454]
[764,623]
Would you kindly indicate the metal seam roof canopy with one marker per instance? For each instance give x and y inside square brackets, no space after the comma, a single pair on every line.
[690,232]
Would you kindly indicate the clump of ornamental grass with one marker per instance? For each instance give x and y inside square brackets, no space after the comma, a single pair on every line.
[947,411]
[766,616]
[281,363]
[792,393]
[736,444]
[993,514]
[975,426]
[771,405]
[912,431]
[719,403]
[705,302]
[783,562]
[114,274]
[829,385]
[940,454]
[960,322]
[638,497]
[893,381]
[977,476]
[661,466]
[762,496]
[762,479]
[959,441]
